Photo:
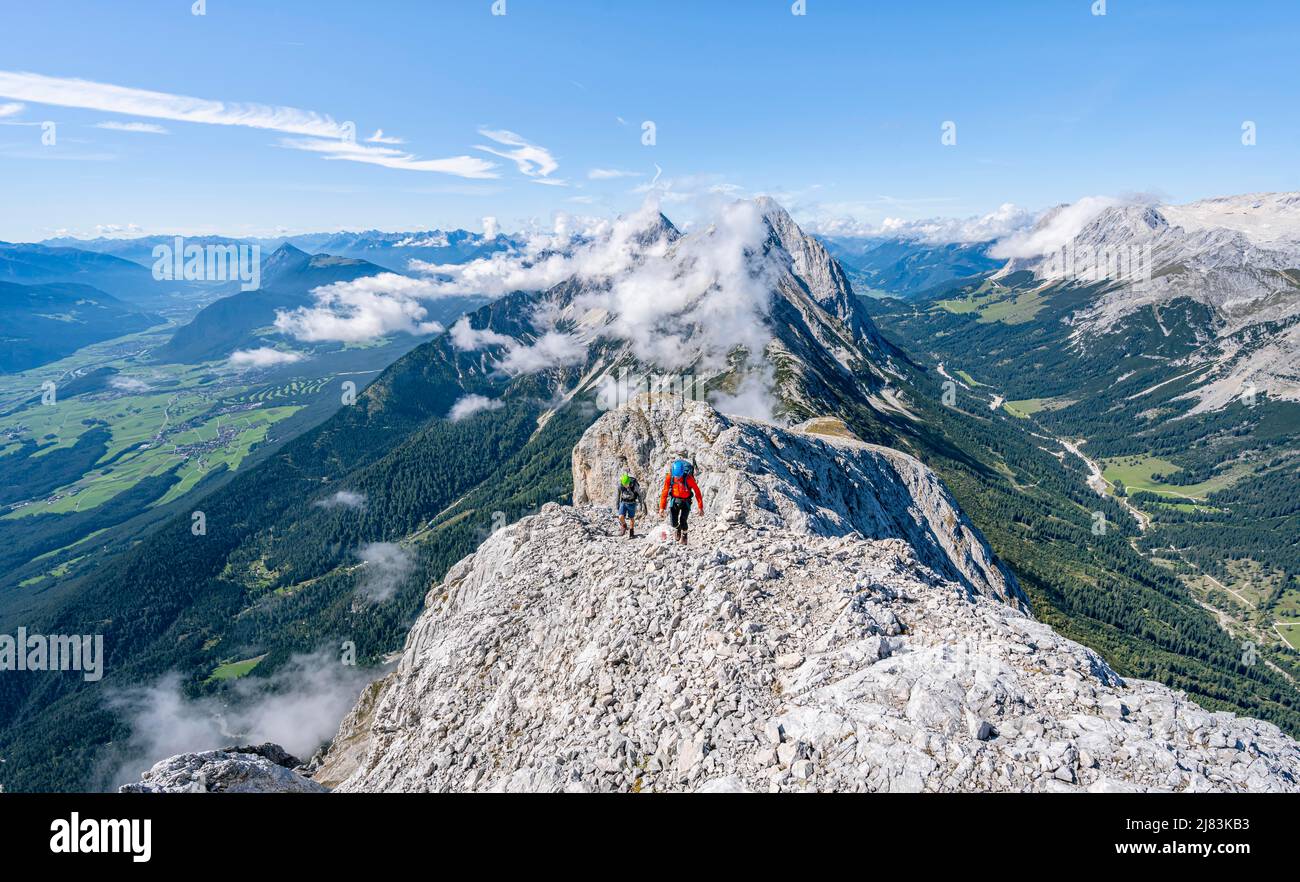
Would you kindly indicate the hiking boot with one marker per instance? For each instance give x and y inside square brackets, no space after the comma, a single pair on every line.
[622,529]
[631,533]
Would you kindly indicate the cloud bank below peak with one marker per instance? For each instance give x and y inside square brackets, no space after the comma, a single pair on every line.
[1007,220]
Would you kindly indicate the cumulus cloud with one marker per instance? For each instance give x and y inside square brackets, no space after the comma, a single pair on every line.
[468,405]
[551,350]
[264,356]
[385,565]
[694,302]
[363,309]
[468,339]
[677,302]
[342,499]
[1054,229]
[674,303]
[138,127]
[498,274]
[299,708]
[490,227]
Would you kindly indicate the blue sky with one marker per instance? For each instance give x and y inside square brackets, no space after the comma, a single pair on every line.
[837,112]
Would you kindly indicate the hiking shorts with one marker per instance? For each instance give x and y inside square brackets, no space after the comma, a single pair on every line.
[627,510]
[679,510]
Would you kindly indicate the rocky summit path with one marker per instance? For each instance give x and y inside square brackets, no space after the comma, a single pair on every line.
[819,634]
[837,624]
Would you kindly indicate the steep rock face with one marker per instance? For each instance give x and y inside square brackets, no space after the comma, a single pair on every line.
[760,475]
[765,655]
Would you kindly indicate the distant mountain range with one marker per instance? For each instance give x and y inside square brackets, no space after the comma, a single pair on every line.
[903,267]
[392,251]
[234,319]
[475,427]
[43,323]
[41,264]
[1232,263]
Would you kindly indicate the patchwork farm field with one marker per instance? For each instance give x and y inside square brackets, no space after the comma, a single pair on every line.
[158,418]
[106,442]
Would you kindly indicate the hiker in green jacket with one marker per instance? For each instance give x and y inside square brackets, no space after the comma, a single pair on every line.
[627,496]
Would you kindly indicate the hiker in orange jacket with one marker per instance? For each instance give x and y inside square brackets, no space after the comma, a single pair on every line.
[679,484]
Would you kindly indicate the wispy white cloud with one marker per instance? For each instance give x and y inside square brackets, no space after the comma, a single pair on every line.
[390,157]
[299,707]
[342,499]
[468,405]
[318,133]
[141,127]
[531,160]
[12,108]
[67,92]
[385,566]
[128,384]
[606,174]
[118,231]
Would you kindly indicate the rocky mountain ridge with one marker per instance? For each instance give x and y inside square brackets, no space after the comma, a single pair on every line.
[780,651]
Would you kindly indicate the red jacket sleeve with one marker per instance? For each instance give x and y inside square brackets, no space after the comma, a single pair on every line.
[663,497]
[699,497]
